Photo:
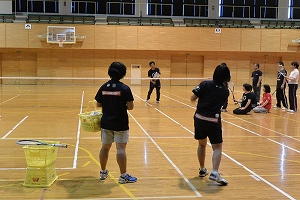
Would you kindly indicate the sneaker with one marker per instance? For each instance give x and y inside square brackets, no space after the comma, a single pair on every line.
[275,106]
[203,172]
[291,111]
[146,100]
[283,108]
[157,101]
[103,174]
[216,177]
[127,179]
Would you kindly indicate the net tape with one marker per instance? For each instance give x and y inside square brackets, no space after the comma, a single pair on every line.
[88,78]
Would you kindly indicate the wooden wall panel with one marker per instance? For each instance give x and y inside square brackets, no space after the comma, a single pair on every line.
[103,59]
[231,39]
[190,38]
[169,38]
[33,40]
[84,66]
[62,65]
[105,37]
[3,35]
[28,67]
[210,41]
[270,40]
[44,63]
[16,35]
[127,37]
[286,36]
[89,32]
[148,38]
[250,40]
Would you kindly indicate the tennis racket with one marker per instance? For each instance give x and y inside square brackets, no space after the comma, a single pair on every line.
[156,75]
[231,88]
[36,142]
[274,92]
[281,73]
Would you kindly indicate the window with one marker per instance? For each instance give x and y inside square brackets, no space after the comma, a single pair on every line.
[248,8]
[42,6]
[120,7]
[194,8]
[294,9]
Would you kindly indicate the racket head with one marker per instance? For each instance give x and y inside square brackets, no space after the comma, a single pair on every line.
[231,88]
[28,142]
[156,75]
[36,142]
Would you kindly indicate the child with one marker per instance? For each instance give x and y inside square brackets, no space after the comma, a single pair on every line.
[246,102]
[266,104]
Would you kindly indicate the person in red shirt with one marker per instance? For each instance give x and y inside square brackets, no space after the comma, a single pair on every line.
[266,103]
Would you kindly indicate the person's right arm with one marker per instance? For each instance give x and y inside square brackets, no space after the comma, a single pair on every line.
[130,105]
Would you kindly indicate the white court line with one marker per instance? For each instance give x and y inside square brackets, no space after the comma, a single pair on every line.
[9,132]
[78,135]
[235,161]
[170,161]
[10,99]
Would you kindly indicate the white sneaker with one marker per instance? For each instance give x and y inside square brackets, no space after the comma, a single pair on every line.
[146,100]
[157,101]
[275,106]
[291,111]
[103,174]
[283,108]
[216,177]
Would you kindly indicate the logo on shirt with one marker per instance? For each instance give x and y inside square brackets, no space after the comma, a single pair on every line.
[111,93]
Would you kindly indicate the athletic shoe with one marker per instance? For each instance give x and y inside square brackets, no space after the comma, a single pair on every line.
[276,106]
[146,100]
[203,172]
[127,179]
[283,108]
[103,174]
[157,101]
[291,111]
[215,176]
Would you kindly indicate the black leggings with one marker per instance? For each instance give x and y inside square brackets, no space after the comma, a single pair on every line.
[157,87]
[292,96]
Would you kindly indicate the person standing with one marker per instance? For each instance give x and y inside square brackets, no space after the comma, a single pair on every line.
[211,95]
[293,86]
[256,81]
[115,98]
[153,73]
[280,87]
[265,105]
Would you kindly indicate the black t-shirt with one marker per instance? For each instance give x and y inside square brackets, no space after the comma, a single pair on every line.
[255,76]
[211,98]
[152,72]
[113,96]
[245,98]
[280,78]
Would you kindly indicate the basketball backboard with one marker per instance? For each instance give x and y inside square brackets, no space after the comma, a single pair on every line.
[61,35]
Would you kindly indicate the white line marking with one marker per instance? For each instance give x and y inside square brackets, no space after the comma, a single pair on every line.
[9,132]
[254,177]
[165,155]
[78,134]
[235,161]
[9,99]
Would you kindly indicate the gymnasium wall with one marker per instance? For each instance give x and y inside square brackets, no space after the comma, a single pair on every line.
[180,52]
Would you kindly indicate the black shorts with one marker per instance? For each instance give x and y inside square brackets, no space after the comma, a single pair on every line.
[212,130]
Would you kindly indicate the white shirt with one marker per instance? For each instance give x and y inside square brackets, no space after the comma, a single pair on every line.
[294,74]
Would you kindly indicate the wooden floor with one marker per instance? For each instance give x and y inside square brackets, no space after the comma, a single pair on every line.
[261,151]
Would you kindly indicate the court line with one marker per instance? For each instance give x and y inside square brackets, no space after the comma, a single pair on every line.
[165,155]
[9,132]
[78,134]
[232,159]
[10,99]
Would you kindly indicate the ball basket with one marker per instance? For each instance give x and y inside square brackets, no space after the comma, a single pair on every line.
[90,120]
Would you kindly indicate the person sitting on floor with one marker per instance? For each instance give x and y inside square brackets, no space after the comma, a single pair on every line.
[246,103]
[266,104]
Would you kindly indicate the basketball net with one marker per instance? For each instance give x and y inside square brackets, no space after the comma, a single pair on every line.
[60,43]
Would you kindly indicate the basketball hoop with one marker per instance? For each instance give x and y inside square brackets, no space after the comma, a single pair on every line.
[60,43]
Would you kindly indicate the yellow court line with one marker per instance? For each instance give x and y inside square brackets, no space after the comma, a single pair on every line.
[110,174]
